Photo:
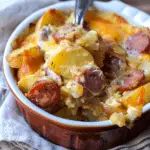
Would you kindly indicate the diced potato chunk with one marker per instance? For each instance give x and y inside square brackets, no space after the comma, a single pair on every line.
[15,58]
[52,17]
[31,38]
[32,60]
[133,113]
[96,47]
[71,18]
[27,82]
[74,88]
[137,97]
[147,93]
[89,40]
[26,37]
[118,118]
[46,46]
[67,62]
[133,102]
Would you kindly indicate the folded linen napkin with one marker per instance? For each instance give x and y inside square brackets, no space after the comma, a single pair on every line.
[13,127]
[15,133]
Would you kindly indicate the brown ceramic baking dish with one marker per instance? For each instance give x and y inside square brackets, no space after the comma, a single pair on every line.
[65,132]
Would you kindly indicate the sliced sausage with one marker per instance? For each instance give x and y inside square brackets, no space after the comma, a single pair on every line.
[93,81]
[86,26]
[138,43]
[58,37]
[45,94]
[129,81]
[113,64]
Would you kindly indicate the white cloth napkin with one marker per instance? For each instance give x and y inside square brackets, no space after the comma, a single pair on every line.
[13,127]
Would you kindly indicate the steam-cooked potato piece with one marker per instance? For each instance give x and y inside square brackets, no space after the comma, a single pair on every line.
[27,82]
[94,45]
[31,62]
[118,118]
[31,38]
[15,58]
[47,45]
[133,102]
[52,17]
[89,40]
[137,97]
[67,62]
[26,37]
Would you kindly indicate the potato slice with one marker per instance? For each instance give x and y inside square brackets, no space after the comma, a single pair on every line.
[52,17]
[15,58]
[32,60]
[47,45]
[31,38]
[133,102]
[118,118]
[137,97]
[24,37]
[146,93]
[67,62]
[27,82]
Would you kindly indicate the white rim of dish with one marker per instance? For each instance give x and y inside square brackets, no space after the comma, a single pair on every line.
[12,83]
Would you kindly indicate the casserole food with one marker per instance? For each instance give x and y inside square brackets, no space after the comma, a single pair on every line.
[96,72]
[77,134]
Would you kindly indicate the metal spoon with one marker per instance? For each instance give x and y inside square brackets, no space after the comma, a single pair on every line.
[81,7]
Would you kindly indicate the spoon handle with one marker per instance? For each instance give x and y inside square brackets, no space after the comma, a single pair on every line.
[81,7]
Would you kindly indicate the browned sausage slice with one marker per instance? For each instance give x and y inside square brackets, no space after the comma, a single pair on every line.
[130,81]
[93,81]
[45,94]
[113,64]
[138,43]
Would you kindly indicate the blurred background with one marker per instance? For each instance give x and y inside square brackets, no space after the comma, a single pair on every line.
[141,4]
